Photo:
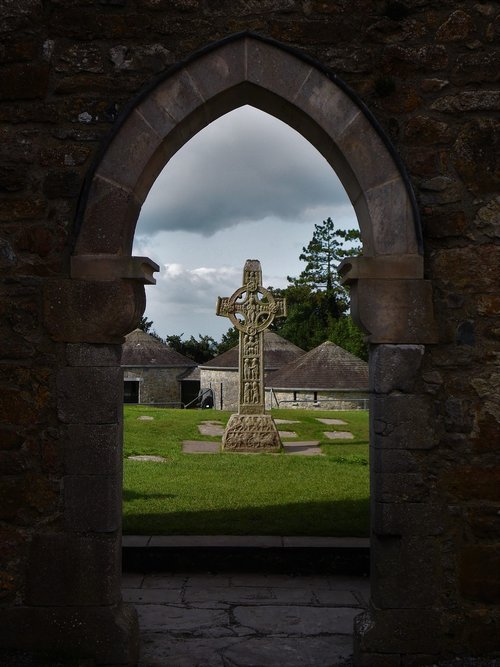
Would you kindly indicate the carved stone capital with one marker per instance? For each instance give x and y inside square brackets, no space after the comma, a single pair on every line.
[113,267]
[98,311]
[390,300]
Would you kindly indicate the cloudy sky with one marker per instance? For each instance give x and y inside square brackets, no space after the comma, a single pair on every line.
[245,187]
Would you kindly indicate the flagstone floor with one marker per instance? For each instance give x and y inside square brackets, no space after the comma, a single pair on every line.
[243,620]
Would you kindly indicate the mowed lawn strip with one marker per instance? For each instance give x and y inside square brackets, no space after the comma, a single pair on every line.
[240,494]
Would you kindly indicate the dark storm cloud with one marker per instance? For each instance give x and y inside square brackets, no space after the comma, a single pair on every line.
[244,167]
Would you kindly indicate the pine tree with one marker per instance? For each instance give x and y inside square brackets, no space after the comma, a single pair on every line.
[317,302]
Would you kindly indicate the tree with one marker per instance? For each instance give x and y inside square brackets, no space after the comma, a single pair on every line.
[228,340]
[325,251]
[145,324]
[344,333]
[316,301]
[201,350]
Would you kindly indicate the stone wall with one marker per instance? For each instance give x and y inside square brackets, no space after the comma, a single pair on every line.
[225,385]
[157,385]
[322,400]
[428,71]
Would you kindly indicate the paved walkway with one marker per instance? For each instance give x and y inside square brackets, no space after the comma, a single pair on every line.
[245,620]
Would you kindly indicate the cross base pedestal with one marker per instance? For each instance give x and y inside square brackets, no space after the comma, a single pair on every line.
[251,433]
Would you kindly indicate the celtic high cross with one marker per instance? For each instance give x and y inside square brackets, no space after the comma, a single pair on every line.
[251,315]
[251,309]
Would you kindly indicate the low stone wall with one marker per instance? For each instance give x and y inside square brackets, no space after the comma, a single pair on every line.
[321,400]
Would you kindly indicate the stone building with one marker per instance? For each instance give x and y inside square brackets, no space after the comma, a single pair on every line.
[326,377]
[402,100]
[152,371]
[221,373]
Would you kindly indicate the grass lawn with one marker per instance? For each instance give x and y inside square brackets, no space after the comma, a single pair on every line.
[244,494]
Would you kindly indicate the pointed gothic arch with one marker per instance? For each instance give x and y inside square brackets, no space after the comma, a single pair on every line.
[247,69]
[103,298]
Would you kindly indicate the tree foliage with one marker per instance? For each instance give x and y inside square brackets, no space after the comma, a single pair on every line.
[201,350]
[145,324]
[322,255]
[228,340]
[316,301]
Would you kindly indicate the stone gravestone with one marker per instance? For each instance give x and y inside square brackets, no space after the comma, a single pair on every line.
[251,309]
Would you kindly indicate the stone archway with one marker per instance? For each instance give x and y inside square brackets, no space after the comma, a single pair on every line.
[390,297]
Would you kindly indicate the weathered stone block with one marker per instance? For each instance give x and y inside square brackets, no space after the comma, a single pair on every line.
[26,81]
[407,519]
[398,631]
[468,482]
[480,572]
[92,449]
[394,367]
[476,149]
[108,201]
[402,422]
[137,146]
[457,27]
[93,355]
[485,521]
[81,311]
[92,503]
[89,395]
[376,659]
[399,487]
[393,461]
[62,184]
[108,635]
[405,572]
[74,570]
[394,311]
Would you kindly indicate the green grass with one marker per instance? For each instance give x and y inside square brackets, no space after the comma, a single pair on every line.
[241,494]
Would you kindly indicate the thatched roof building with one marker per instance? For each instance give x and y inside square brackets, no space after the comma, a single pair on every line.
[327,366]
[142,349]
[153,371]
[328,377]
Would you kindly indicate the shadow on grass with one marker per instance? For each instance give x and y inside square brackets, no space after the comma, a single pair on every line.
[347,517]
[133,495]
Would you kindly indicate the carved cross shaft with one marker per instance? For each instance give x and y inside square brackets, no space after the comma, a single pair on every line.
[251,309]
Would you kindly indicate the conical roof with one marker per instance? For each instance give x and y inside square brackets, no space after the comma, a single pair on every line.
[327,366]
[277,352]
[142,349]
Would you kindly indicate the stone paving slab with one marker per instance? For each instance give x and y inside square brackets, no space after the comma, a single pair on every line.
[339,435]
[210,428]
[290,620]
[286,421]
[289,652]
[303,448]
[332,422]
[160,651]
[287,434]
[262,541]
[245,619]
[200,447]
[148,457]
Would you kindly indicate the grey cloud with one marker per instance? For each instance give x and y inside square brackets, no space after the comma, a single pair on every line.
[244,167]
